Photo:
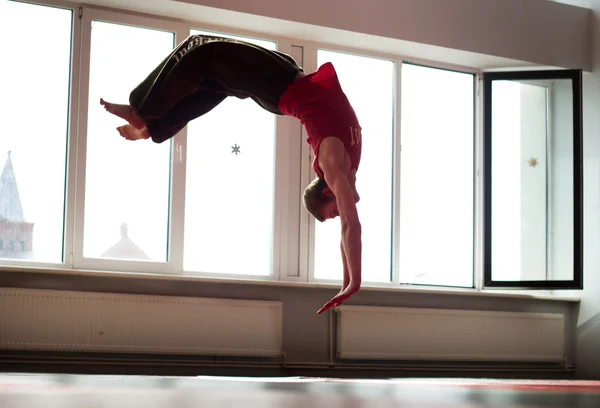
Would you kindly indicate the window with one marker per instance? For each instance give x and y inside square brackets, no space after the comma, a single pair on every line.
[127,183]
[533,179]
[373,102]
[35,42]
[230,169]
[436,182]
[223,197]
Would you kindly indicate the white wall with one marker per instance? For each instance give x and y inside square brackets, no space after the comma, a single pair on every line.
[539,31]
[484,34]
[588,332]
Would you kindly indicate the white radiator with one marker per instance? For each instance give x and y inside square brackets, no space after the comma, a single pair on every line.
[379,333]
[79,321]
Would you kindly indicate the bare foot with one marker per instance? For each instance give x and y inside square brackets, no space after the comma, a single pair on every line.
[124,112]
[130,133]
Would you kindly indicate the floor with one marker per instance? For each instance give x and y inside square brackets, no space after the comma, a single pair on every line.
[69,391]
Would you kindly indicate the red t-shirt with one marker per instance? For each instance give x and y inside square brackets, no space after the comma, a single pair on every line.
[318,101]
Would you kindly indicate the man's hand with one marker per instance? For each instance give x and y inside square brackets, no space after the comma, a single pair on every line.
[340,297]
[346,291]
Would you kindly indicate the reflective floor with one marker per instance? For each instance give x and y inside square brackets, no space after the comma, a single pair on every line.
[69,391]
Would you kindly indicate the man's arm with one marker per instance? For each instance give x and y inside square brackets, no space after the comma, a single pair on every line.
[331,162]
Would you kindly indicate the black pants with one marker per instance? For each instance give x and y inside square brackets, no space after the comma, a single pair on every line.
[200,73]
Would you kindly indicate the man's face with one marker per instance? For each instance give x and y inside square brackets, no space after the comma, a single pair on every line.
[330,210]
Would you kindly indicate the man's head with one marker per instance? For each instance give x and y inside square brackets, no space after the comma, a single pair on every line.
[319,200]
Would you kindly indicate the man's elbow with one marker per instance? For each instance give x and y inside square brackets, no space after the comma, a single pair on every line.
[351,227]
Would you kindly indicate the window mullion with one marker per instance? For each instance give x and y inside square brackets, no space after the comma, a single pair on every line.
[71,176]
[478,185]
[397,158]
[307,222]
[288,189]
[79,140]
[177,185]
[177,202]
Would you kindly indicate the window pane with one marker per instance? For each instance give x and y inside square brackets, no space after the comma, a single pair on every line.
[127,183]
[230,187]
[436,183]
[373,103]
[532,180]
[36,44]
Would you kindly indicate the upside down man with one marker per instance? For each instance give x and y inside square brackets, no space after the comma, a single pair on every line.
[204,70]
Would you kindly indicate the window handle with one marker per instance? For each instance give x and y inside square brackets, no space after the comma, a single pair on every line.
[180,151]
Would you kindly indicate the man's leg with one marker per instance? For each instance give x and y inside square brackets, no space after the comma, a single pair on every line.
[238,69]
[244,70]
[146,93]
[126,111]
[191,107]
[203,100]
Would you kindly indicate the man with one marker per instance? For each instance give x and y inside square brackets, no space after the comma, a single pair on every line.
[204,70]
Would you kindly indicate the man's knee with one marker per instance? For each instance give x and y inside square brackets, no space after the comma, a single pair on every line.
[136,97]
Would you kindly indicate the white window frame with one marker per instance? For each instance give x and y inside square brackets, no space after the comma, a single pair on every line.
[70,170]
[286,225]
[79,261]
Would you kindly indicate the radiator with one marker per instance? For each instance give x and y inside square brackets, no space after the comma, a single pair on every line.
[79,321]
[379,333]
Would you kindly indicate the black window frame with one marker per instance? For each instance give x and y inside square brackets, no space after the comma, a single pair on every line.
[576,77]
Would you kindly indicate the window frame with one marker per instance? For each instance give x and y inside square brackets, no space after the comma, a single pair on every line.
[576,77]
[77,259]
[286,223]
[70,157]
[476,187]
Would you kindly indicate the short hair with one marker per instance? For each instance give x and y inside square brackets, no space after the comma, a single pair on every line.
[315,199]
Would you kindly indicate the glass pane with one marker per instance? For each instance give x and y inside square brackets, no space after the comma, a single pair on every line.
[532,180]
[230,187]
[436,183]
[373,102]
[34,108]
[127,183]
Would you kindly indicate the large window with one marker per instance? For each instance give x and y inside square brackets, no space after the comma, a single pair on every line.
[369,85]
[459,185]
[35,43]
[127,183]
[436,182]
[230,187]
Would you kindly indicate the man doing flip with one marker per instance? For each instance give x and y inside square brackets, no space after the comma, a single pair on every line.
[204,70]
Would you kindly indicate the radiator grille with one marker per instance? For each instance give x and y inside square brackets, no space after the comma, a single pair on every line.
[78,321]
[457,335]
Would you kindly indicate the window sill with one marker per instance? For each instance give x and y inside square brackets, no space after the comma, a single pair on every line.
[550,295]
